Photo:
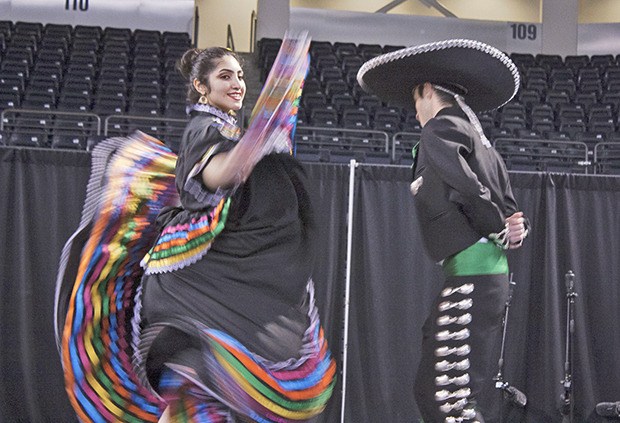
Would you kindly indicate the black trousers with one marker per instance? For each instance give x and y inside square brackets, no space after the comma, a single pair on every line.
[460,350]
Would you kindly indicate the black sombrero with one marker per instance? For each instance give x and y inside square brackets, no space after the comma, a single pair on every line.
[485,77]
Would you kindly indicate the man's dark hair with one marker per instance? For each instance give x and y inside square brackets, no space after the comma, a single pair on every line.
[444,97]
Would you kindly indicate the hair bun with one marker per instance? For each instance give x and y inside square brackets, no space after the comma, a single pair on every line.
[186,62]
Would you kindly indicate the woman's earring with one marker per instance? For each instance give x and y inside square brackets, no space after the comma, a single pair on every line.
[203,99]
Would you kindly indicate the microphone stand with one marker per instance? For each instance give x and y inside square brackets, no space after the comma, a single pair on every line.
[567,397]
[500,384]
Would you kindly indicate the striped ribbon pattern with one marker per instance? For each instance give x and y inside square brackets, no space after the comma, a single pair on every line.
[96,350]
[288,395]
[183,244]
[294,390]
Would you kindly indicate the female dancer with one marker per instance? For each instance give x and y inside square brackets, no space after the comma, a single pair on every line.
[225,325]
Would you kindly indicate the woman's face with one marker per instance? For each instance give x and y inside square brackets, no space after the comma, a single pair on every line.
[226,85]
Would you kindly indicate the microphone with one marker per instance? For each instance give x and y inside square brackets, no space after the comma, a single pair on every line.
[569,279]
[515,396]
[608,409]
[565,409]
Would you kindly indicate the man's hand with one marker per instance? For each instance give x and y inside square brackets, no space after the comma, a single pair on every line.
[516,230]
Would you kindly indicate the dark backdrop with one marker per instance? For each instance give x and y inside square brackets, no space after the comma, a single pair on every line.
[575,226]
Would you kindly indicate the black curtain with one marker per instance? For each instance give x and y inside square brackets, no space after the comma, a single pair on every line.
[331,193]
[42,192]
[575,227]
[42,195]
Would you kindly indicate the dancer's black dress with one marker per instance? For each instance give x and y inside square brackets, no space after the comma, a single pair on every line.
[225,322]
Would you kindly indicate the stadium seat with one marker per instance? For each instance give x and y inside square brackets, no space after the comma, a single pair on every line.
[74,142]
[555,98]
[567,86]
[549,61]
[612,99]
[351,64]
[322,116]
[342,49]
[542,124]
[576,62]
[326,61]
[336,87]
[602,61]
[312,154]
[369,102]
[607,158]
[590,138]
[531,134]
[76,103]
[388,114]
[388,48]
[561,74]
[31,138]
[368,51]
[355,119]
[605,126]
[586,99]
[342,101]
[318,48]
[330,73]
[528,97]
[600,111]
[572,128]
[537,84]
[556,135]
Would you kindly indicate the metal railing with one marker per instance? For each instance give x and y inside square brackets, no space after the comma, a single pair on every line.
[343,138]
[253,25]
[74,130]
[607,158]
[49,128]
[402,144]
[79,130]
[230,40]
[168,130]
[35,119]
[196,26]
[115,125]
[545,155]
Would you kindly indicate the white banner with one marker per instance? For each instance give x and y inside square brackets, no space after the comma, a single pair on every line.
[162,15]
[598,38]
[379,28]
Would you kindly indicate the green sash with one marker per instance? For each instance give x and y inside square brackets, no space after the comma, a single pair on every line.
[482,258]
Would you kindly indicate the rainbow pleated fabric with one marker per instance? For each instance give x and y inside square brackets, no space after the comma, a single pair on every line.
[274,116]
[132,179]
[295,390]
[286,395]
[184,244]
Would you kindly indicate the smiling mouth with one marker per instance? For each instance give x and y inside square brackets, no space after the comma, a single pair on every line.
[236,96]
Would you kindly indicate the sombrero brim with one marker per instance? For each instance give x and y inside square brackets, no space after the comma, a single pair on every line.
[489,78]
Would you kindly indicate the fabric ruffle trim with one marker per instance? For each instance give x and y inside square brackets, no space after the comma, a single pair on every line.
[183,244]
[290,391]
[132,180]
[198,190]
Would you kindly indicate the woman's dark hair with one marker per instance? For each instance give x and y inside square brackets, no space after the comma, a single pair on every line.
[198,64]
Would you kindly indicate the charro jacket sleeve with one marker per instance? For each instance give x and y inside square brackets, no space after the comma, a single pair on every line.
[449,147]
